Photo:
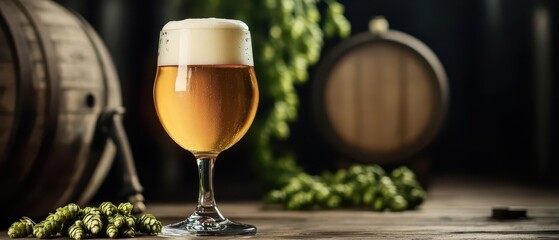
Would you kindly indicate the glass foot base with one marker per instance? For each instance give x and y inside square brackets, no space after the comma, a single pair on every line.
[207,227]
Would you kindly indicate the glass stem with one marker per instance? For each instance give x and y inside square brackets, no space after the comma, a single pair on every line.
[206,202]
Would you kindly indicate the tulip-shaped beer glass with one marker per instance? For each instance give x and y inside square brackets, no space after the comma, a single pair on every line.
[206,96]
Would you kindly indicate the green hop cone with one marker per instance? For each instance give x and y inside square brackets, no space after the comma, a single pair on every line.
[89,210]
[369,196]
[148,224]
[66,226]
[68,212]
[73,208]
[21,228]
[108,209]
[125,208]
[128,232]
[398,203]
[112,230]
[378,204]
[300,200]
[44,229]
[92,220]
[118,220]
[58,219]
[77,230]
[333,201]
[276,196]
[130,221]
[51,226]
[408,186]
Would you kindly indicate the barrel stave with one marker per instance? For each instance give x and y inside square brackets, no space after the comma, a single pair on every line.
[57,153]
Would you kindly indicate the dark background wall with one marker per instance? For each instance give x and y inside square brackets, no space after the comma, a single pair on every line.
[501,118]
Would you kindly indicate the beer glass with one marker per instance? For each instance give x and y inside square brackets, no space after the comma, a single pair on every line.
[206,96]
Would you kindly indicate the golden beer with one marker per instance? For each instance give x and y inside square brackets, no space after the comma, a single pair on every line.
[206,108]
[205,95]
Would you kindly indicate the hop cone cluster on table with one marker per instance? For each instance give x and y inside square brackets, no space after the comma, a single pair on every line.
[107,220]
[366,186]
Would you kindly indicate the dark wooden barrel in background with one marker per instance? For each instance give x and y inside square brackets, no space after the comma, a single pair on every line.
[56,79]
[380,97]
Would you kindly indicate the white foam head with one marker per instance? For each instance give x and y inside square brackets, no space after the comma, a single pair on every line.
[205,41]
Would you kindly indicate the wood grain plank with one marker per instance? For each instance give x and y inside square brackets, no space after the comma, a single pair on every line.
[456,209]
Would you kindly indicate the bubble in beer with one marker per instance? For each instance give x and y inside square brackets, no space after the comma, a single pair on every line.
[216,41]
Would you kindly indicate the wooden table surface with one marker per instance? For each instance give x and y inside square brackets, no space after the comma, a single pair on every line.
[456,209]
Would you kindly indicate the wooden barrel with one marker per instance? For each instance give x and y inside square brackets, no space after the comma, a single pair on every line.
[380,96]
[56,79]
